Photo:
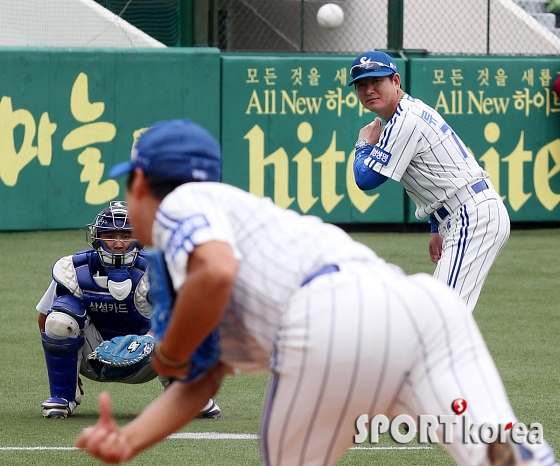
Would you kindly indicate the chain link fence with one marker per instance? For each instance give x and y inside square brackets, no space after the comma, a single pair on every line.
[157,18]
[521,27]
[469,27]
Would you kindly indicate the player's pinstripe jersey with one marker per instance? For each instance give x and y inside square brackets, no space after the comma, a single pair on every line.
[419,149]
[278,249]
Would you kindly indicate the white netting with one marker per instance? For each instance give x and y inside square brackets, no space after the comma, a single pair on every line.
[66,23]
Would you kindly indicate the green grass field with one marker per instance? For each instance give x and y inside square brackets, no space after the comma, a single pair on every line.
[518,314]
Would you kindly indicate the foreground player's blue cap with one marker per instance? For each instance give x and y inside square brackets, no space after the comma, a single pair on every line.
[371,63]
[177,150]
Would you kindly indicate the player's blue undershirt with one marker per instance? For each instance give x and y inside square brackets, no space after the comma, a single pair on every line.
[365,177]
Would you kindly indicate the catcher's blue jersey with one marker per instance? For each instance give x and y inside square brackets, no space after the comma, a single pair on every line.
[112,316]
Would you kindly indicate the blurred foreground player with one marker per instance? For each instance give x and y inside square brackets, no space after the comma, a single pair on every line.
[342,332]
[95,316]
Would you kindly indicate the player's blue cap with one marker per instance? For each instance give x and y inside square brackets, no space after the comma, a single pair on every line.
[371,63]
[177,150]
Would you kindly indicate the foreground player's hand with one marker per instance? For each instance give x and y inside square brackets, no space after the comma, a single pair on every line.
[105,440]
[371,131]
[435,247]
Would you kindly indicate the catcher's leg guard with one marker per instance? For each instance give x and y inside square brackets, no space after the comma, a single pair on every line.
[62,341]
[62,367]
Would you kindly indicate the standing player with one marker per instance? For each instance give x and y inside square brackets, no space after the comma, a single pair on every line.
[469,222]
[343,332]
[97,305]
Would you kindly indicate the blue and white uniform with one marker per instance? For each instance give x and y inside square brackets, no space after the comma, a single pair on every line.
[343,332]
[111,311]
[421,151]
[97,295]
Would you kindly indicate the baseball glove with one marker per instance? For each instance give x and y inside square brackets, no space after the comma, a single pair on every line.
[124,351]
[162,297]
[161,294]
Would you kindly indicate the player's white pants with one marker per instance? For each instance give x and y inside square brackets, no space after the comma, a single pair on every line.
[355,342]
[473,235]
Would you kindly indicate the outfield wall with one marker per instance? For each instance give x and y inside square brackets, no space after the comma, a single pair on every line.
[67,116]
[287,124]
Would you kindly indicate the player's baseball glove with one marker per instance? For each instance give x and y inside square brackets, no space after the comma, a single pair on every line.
[124,351]
[162,297]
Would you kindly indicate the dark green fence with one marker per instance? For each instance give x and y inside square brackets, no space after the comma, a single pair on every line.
[287,124]
[67,116]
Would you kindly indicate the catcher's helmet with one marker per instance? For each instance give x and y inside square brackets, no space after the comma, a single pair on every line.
[112,219]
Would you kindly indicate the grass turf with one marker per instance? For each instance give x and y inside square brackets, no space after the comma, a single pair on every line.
[517,313]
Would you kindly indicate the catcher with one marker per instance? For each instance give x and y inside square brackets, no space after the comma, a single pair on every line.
[95,316]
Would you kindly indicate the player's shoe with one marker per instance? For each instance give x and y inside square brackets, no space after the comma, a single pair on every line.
[58,408]
[509,453]
[210,411]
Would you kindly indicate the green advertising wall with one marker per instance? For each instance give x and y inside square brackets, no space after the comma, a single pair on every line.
[506,112]
[67,116]
[287,124]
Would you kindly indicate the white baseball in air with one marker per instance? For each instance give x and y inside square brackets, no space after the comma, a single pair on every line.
[330,16]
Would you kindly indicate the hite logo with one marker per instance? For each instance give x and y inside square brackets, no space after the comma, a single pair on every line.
[424,429]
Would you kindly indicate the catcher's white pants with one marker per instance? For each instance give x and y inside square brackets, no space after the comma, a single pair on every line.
[473,235]
[357,342]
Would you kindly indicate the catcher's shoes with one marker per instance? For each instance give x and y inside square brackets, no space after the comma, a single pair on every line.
[58,408]
[210,411]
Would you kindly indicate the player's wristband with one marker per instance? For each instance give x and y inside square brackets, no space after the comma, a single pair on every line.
[169,362]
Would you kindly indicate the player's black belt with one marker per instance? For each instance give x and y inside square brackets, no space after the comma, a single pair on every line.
[330,268]
[441,213]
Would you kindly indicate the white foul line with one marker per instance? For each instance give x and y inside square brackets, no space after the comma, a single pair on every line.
[420,447]
[221,436]
[212,436]
[37,448]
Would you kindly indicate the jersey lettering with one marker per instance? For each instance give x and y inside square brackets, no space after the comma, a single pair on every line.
[107,307]
[380,156]
[428,117]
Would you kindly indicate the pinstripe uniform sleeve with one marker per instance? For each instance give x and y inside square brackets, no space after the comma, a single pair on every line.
[181,226]
[397,145]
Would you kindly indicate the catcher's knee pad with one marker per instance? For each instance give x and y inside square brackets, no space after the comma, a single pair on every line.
[66,319]
[61,357]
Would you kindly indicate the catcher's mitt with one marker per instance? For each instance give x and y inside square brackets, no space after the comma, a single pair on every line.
[124,351]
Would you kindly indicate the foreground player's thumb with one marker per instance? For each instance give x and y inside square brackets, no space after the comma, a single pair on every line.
[105,411]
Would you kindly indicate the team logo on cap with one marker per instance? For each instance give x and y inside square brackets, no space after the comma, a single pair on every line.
[367,64]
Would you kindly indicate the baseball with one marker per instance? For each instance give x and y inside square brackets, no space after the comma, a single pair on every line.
[330,16]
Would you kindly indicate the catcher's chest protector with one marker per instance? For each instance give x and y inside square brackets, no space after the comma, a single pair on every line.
[111,316]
